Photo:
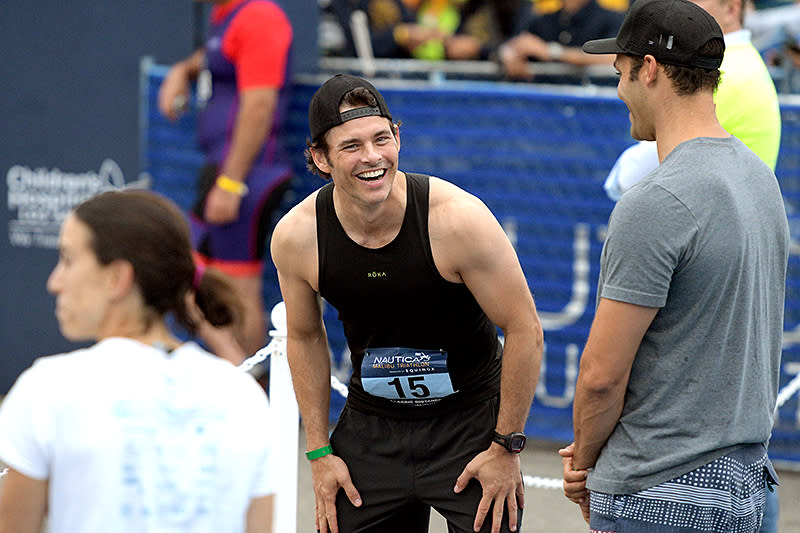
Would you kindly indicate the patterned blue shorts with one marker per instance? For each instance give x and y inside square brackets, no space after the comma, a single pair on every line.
[725,495]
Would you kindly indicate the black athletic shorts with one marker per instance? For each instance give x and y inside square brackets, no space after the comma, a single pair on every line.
[402,468]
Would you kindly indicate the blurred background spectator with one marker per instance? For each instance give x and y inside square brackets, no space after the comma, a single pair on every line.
[435,21]
[775,27]
[383,16]
[484,25]
[243,73]
[469,29]
[558,36]
[746,100]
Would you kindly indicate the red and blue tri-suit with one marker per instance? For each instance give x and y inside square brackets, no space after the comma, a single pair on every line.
[248,46]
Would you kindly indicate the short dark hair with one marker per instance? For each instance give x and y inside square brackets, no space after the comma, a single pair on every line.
[358,97]
[688,80]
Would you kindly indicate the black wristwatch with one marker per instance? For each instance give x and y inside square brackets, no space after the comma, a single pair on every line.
[513,442]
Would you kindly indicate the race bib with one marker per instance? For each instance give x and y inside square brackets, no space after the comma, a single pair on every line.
[406,375]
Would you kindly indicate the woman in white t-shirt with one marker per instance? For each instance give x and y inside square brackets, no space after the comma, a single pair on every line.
[140,432]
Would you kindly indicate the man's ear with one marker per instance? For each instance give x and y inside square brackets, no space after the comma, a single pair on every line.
[649,69]
[321,160]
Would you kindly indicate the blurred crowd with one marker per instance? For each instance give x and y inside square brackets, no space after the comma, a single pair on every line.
[775,27]
[515,33]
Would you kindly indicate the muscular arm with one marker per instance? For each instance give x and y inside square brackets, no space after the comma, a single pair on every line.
[514,54]
[511,308]
[470,246]
[294,252]
[23,503]
[307,350]
[253,123]
[605,367]
[176,83]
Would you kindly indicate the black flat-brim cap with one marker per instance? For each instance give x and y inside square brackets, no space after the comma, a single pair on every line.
[672,31]
[323,111]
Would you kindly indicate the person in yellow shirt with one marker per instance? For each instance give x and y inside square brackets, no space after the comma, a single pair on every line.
[436,21]
[746,100]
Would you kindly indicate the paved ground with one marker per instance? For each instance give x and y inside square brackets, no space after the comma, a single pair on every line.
[547,510]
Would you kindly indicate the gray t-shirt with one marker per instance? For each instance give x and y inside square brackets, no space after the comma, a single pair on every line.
[705,239]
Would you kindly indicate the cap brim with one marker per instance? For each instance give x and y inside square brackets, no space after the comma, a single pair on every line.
[603,46]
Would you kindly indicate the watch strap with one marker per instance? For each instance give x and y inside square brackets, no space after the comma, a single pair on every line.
[507,441]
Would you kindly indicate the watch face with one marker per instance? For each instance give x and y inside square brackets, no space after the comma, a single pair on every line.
[517,443]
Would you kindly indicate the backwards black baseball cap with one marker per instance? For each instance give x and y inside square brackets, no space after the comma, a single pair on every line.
[672,31]
[323,112]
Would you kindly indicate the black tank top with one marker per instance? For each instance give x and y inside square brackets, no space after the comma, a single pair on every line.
[394,296]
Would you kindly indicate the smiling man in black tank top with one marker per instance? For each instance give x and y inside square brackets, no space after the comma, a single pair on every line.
[422,275]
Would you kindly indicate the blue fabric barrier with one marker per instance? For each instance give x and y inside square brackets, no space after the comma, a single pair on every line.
[537,157]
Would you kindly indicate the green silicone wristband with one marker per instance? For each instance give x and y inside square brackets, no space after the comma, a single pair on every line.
[319,452]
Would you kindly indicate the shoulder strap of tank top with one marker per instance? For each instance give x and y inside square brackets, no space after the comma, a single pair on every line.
[418,191]
[325,218]
[419,196]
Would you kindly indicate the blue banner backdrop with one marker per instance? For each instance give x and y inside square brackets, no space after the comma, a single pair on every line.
[69,103]
[537,157]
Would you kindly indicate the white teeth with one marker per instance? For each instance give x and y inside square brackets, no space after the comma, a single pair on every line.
[371,174]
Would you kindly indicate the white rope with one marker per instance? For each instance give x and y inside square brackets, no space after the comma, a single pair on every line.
[542,482]
[787,392]
[260,356]
[338,386]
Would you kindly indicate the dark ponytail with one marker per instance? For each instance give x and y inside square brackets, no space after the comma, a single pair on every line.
[217,298]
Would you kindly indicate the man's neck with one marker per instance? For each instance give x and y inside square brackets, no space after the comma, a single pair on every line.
[685,118]
[373,226]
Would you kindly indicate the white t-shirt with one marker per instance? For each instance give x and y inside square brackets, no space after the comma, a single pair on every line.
[133,439]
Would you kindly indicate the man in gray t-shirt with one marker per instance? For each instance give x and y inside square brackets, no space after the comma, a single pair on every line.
[679,376]
[707,250]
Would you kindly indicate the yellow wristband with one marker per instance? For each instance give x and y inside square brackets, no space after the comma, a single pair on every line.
[232,186]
